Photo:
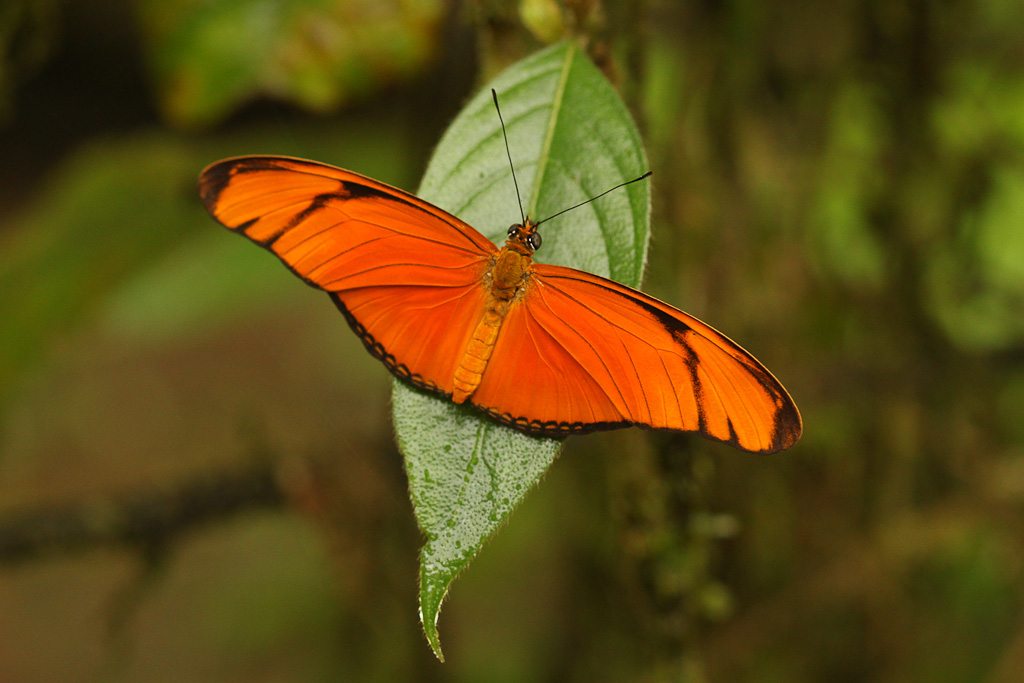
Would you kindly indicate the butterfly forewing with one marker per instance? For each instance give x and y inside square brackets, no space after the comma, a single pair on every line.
[407,275]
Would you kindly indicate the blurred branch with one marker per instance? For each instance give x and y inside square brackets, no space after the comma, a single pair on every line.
[147,522]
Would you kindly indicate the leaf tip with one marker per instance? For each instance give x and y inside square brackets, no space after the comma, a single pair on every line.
[433,638]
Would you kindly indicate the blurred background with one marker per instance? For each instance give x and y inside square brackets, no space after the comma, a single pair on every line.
[198,479]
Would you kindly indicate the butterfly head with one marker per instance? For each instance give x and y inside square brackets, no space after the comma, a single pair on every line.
[523,237]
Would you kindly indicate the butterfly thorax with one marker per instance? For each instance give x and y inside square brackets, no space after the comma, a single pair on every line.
[508,272]
[508,276]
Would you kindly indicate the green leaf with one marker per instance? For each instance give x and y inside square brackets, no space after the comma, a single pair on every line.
[571,138]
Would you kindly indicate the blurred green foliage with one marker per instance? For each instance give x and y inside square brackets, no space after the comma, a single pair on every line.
[208,58]
[82,239]
[836,185]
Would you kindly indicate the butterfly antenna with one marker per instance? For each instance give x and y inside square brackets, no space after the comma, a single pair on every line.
[628,182]
[509,152]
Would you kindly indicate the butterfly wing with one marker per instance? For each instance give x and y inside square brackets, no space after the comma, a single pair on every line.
[407,276]
[577,353]
[596,355]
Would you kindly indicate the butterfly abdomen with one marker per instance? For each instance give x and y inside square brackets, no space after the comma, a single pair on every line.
[478,352]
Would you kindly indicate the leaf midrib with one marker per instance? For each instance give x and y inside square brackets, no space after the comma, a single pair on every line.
[549,135]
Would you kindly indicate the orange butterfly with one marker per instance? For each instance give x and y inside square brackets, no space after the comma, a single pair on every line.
[545,349]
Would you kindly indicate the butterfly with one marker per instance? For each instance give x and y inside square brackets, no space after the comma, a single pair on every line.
[545,349]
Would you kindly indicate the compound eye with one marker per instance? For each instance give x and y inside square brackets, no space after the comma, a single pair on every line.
[513,231]
[534,240]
